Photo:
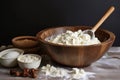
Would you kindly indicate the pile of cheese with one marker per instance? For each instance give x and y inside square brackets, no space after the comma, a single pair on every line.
[28,58]
[73,38]
[74,73]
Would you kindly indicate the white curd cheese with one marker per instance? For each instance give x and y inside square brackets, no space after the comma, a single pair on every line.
[53,71]
[73,38]
[73,74]
[28,58]
[77,73]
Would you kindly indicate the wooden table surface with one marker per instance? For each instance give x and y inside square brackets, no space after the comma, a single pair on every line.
[106,68]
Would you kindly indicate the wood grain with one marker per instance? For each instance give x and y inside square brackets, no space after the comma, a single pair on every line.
[76,56]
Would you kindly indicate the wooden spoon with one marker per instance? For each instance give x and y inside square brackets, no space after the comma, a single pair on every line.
[106,15]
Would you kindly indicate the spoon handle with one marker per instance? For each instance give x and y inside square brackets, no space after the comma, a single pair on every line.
[107,14]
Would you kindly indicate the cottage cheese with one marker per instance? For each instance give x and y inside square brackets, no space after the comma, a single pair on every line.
[74,73]
[73,38]
[53,71]
[28,58]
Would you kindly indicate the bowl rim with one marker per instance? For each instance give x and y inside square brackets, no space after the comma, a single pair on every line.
[22,37]
[17,38]
[111,38]
[5,51]
[40,58]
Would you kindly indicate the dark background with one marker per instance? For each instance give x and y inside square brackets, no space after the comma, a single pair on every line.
[27,17]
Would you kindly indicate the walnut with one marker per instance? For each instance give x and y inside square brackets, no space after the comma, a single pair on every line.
[33,73]
[17,73]
[24,73]
[12,72]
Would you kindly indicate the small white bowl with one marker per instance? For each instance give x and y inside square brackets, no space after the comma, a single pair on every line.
[8,57]
[29,61]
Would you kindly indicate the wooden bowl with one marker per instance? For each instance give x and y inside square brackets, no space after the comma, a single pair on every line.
[25,41]
[76,56]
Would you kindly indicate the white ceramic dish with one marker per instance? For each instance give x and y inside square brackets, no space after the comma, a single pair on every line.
[8,57]
[25,61]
